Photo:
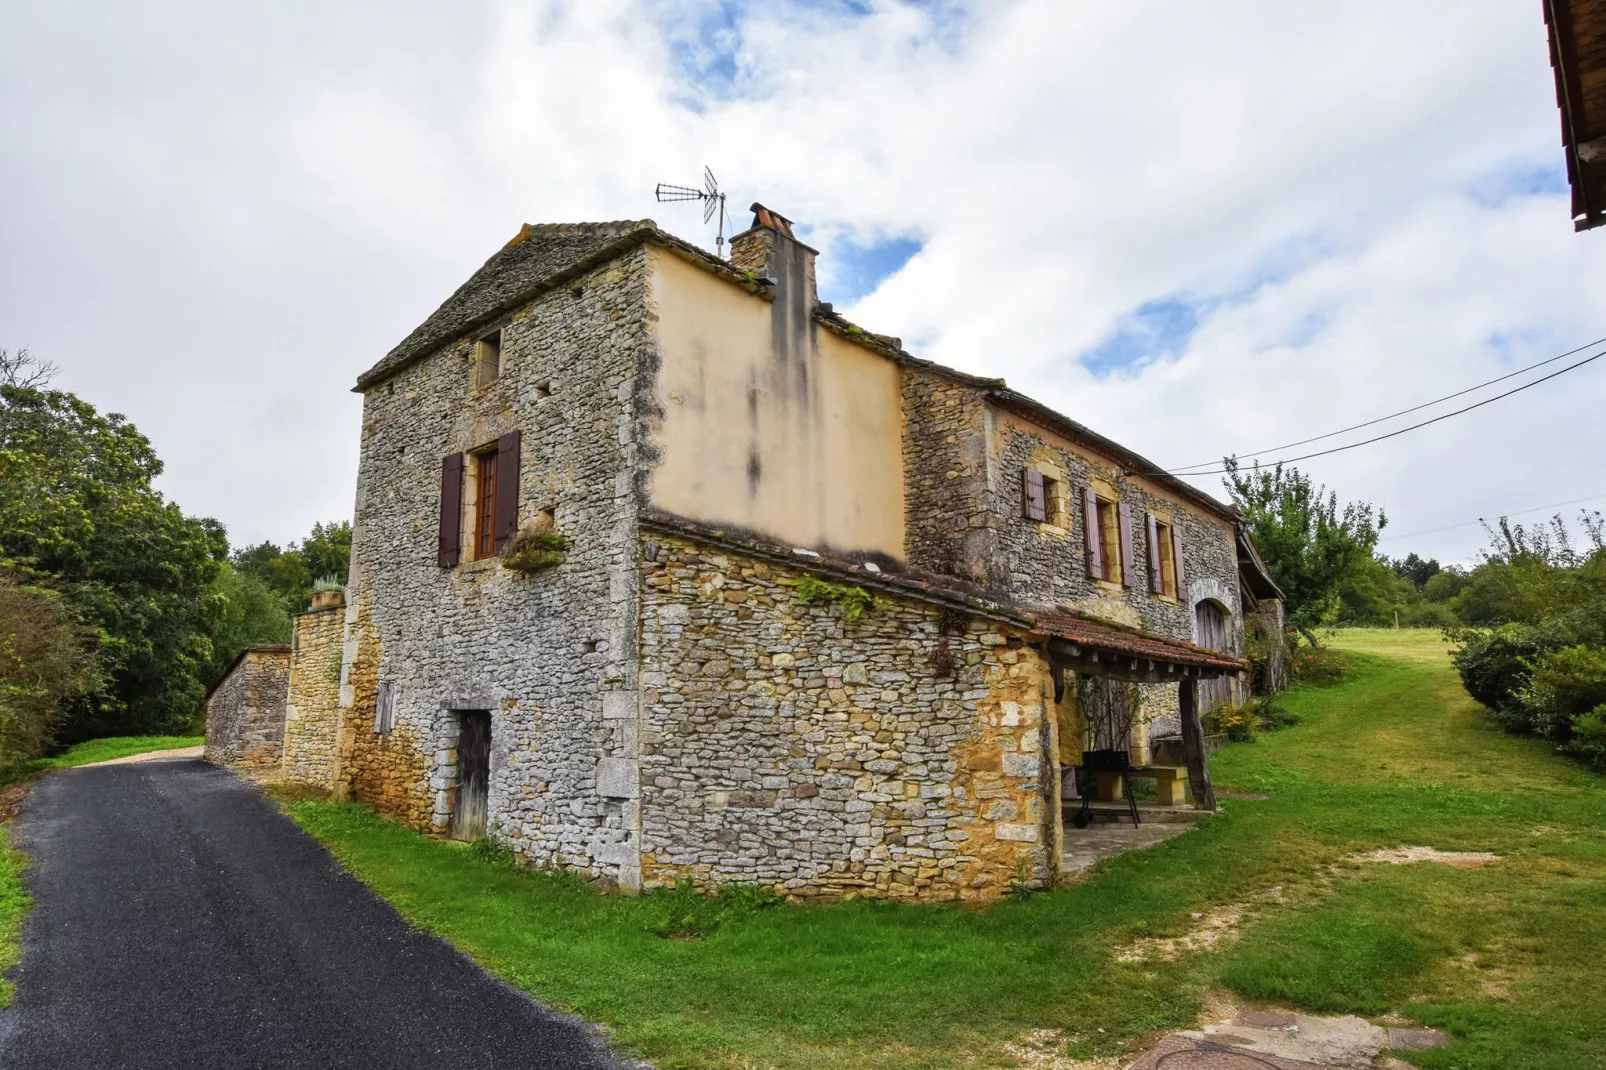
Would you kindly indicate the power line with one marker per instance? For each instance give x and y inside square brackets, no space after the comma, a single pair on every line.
[1413,427]
[1403,412]
[1469,523]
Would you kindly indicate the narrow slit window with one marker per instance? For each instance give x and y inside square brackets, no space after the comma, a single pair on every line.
[488,359]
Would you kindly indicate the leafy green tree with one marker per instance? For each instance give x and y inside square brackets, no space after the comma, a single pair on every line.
[45,659]
[291,572]
[1311,547]
[77,506]
[252,613]
[1415,569]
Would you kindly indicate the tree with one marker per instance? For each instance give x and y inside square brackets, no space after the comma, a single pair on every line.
[45,660]
[1416,570]
[251,613]
[291,572]
[78,510]
[1310,546]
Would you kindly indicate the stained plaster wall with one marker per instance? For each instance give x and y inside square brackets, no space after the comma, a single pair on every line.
[312,712]
[245,712]
[783,746]
[771,424]
[546,653]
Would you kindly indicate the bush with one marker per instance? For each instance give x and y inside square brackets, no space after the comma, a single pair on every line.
[1589,738]
[1319,666]
[44,660]
[1563,686]
[1494,665]
[1237,723]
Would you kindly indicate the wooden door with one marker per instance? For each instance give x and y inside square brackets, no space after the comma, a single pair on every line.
[473,775]
[1212,632]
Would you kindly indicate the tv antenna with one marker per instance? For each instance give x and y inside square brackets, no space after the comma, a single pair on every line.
[713,201]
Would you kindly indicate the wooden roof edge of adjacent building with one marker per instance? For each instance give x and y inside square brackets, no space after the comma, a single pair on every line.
[1577,33]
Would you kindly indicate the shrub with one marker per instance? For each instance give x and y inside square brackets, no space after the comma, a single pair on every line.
[1494,664]
[1315,666]
[1237,723]
[1589,738]
[1563,686]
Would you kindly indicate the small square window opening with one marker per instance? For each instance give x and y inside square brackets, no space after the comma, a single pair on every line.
[488,360]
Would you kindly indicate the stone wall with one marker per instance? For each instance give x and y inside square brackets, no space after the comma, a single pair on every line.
[245,711]
[313,711]
[902,755]
[947,477]
[544,652]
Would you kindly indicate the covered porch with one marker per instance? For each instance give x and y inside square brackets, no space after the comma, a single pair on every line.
[1108,680]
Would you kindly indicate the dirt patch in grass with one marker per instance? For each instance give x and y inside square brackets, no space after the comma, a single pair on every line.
[1044,1049]
[1399,856]
[1210,929]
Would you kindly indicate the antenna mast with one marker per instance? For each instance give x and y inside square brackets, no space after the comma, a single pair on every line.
[713,201]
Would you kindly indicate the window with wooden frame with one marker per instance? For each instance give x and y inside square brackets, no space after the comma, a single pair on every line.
[485,504]
[490,509]
[1162,558]
[1043,498]
[1107,528]
[487,360]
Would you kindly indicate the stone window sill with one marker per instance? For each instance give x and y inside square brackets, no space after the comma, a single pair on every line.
[479,564]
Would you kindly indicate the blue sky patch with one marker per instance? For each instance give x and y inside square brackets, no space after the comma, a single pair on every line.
[1158,328]
[1519,180]
[856,270]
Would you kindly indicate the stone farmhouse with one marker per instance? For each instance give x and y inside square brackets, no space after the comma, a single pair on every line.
[663,570]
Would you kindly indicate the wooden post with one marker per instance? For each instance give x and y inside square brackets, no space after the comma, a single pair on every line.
[1193,746]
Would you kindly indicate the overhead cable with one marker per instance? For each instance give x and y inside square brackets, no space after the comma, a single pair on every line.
[1403,412]
[1403,430]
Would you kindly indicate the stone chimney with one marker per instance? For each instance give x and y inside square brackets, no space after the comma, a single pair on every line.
[768,248]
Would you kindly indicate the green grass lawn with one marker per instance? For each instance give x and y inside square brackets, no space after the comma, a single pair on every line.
[1505,958]
[103,750]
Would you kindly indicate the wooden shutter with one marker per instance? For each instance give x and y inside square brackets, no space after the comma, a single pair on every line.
[506,517]
[1156,573]
[1090,525]
[1129,576]
[451,535]
[1176,561]
[1034,499]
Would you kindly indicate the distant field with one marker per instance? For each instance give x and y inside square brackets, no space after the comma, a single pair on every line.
[1505,958]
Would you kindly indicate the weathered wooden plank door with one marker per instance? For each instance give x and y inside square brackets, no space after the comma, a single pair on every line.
[473,775]
[1212,631]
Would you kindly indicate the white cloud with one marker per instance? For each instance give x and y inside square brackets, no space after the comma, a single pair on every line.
[234,214]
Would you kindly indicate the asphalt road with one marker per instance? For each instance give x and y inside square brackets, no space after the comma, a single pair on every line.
[181,921]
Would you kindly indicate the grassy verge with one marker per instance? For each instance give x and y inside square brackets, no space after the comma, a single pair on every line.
[104,750]
[1505,957]
[14,903]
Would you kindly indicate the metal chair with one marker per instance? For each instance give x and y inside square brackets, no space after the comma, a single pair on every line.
[1118,762]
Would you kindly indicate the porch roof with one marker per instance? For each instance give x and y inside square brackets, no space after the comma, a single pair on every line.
[1106,648]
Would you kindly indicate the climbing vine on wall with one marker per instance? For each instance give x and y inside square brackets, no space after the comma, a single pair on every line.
[855,602]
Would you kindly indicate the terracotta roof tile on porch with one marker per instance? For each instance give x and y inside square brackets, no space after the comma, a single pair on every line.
[1104,636]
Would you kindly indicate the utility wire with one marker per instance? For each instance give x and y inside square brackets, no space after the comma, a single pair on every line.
[1403,412]
[1469,523]
[1403,430]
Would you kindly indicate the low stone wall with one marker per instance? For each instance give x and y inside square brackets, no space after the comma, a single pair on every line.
[312,713]
[901,755]
[245,711]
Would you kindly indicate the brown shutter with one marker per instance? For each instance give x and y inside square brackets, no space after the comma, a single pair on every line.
[1129,576]
[1176,561]
[451,537]
[1090,525]
[506,515]
[1156,573]
[1034,501]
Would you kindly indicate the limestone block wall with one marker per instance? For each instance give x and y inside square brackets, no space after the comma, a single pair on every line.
[1049,567]
[245,711]
[313,711]
[947,477]
[543,652]
[903,755]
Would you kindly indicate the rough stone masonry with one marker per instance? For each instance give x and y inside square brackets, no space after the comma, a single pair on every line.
[744,592]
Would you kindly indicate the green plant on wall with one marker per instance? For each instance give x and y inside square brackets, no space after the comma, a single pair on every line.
[533,550]
[333,668]
[855,602]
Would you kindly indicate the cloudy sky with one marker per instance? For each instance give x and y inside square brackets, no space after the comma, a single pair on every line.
[1200,228]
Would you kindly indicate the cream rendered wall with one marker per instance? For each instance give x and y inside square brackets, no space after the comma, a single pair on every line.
[793,433]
